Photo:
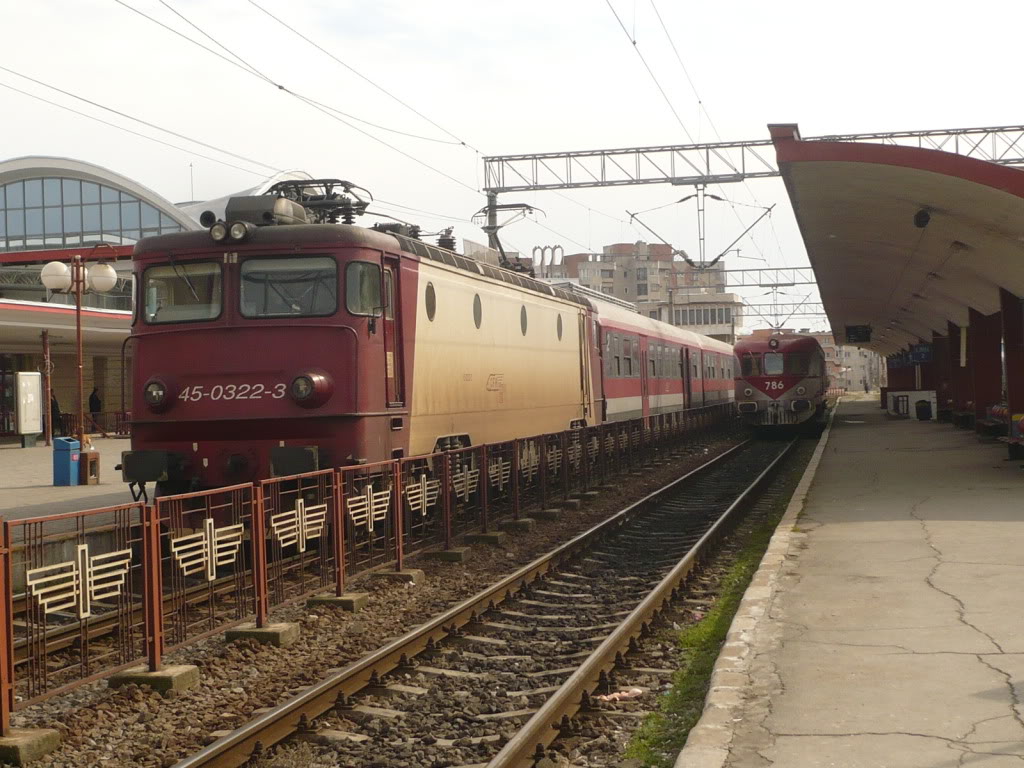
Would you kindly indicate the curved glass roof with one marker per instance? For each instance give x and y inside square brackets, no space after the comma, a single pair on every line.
[58,212]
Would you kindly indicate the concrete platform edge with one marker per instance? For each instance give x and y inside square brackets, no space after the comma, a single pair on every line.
[708,743]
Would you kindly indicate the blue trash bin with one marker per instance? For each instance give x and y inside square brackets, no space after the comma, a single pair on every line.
[66,457]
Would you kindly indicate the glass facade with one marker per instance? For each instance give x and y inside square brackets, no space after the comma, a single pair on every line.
[47,213]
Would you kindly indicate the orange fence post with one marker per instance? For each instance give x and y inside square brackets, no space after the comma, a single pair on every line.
[396,500]
[339,536]
[259,558]
[152,597]
[7,638]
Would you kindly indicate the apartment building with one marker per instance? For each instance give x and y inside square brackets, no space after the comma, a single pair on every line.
[661,286]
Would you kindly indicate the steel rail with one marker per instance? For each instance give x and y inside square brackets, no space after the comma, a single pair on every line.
[527,746]
[293,715]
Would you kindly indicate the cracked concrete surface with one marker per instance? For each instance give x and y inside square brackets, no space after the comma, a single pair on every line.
[889,627]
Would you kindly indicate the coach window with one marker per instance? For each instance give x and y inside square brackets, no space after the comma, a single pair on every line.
[774,364]
[182,292]
[304,286]
[362,288]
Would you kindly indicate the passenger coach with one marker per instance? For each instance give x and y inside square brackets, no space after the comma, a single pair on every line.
[277,342]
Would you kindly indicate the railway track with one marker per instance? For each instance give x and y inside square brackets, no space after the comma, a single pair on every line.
[494,680]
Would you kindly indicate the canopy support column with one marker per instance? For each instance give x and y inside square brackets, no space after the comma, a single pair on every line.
[943,377]
[1013,344]
[984,335]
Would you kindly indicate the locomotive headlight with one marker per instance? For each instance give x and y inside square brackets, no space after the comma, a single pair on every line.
[219,231]
[302,388]
[238,231]
[801,390]
[155,394]
[748,391]
[311,389]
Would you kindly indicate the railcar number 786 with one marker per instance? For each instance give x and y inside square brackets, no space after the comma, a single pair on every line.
[198,392]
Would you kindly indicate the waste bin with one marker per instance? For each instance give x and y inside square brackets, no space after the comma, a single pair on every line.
[89,460]
[923,409]
[65,461]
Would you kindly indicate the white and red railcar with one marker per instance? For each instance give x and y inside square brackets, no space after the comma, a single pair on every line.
[781,381]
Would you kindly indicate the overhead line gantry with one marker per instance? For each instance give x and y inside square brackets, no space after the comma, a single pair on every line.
[717,162]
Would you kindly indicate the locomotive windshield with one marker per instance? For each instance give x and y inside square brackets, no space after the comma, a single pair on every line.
[774,364]
[750,364]
[797,363]
[182,292]
[289,287]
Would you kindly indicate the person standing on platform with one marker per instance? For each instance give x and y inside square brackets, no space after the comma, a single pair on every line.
[55,425]
[95,406]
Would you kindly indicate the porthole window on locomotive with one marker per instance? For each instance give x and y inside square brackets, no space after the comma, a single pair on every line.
[522,319]
[478,311]
[430,302]
[559,327]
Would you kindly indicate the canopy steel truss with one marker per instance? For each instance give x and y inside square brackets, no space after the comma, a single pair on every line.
[808,309]
[719,162]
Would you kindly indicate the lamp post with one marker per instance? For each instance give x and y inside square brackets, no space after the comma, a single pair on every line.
[60,278]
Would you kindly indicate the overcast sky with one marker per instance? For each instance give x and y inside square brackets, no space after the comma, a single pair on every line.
[503,78]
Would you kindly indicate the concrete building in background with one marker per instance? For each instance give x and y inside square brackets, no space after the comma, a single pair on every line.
[661,286]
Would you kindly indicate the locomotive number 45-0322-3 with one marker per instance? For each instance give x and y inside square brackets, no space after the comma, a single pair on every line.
[198,392]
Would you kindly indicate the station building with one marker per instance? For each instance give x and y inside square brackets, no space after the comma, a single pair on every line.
[52,208]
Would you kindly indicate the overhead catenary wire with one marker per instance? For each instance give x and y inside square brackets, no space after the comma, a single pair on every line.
[134,133]
[262,175]
[360,75]
[703,108]
[127,116]
[247,68]
[650,71]
[323,109]
[415,111]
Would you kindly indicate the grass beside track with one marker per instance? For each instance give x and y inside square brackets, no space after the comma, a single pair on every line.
[662,735]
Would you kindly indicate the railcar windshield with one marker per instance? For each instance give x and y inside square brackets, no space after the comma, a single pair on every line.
[303,286]
[797,363]
[774,364]
[182,292]
[750,364]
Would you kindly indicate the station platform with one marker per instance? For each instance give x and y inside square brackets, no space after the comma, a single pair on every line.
[885,626]
[26,481]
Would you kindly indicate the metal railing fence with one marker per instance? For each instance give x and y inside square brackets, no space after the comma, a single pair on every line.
[86,594]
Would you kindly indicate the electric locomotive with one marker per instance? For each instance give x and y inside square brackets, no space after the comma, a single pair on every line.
[284,338]
[780,381]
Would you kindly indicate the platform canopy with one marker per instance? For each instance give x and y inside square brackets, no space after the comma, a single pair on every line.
[903,239]
[103,330]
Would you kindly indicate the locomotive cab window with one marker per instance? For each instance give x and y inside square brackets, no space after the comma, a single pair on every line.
[774,364]
[750,364]
[305,286]
[797,363]
[362,289]
[182,292]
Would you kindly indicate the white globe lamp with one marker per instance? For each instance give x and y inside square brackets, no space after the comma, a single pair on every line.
[56,276]
[102,277]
